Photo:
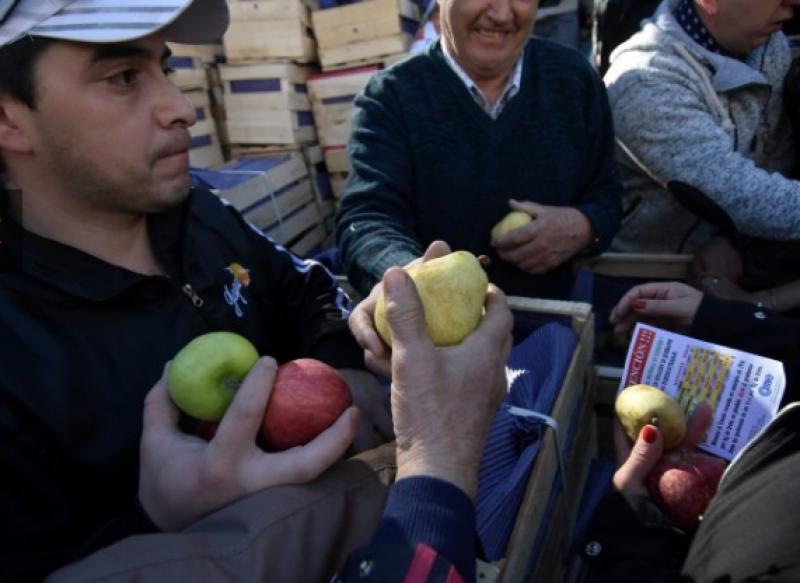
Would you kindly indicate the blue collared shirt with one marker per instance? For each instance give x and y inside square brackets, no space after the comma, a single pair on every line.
[510,90]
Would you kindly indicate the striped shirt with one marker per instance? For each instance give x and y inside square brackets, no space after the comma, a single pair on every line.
[510,90]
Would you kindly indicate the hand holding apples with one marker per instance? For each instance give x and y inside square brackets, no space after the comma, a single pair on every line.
[183,477]
[681,482]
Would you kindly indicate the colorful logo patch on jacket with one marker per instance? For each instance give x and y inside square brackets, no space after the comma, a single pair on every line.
[233,292]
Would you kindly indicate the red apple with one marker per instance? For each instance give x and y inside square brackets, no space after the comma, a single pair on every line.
[683,483]
[307,397]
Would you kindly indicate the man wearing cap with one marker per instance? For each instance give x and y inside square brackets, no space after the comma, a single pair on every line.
[486,121]
[110,263]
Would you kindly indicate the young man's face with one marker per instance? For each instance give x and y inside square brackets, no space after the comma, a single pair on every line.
[487,36]
[109,128]
[744,25]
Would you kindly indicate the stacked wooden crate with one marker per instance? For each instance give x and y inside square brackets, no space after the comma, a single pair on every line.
[332,95]
[267,47]
[372,31]
[317,173]
[274,193]
[193,70]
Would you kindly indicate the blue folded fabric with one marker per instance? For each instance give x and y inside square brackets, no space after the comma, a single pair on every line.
[536,370]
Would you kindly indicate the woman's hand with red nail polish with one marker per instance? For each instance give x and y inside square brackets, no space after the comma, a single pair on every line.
[667,305]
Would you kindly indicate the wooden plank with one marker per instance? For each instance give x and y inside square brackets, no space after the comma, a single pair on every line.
[295,224]
[379,25]
[246,103]
[337,160]
[254,71]
[534,506]
[274,210]
[370,49]
[269,10]
[309,241]
[254,132]
[261,185]
[552,562]
[343,83]
[208,54]
[209,156]
[204,127]
[268,39]
[640,265]
[188,79]
[338,181]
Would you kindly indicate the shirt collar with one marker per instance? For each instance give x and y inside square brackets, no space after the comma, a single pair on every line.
[510,90]
[686,15]
[82,275]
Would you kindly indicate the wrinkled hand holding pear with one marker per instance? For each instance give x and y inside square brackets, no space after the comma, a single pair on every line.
[513,220]
[453,290]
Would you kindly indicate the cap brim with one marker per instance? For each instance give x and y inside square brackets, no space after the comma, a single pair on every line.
[108,21]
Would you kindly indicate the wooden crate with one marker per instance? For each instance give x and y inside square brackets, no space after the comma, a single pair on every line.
[332,95]
[258,40]
[364,21]
[188,73]
[208,54]
[545,511]
[364,32]
[338,180]
[265,87]
[336,159]
[261,10]
[640,265]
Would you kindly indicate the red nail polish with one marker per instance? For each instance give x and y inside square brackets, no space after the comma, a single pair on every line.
[649,434]
[638,304]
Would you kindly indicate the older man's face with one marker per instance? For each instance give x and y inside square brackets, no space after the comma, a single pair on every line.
[744,25]
[487,36]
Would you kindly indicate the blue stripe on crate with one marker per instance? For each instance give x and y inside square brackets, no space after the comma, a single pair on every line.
[536,369]
[200,112]
[300,88]
[269,196]
[181,62]
[255,85]
[201,142]
[305,118]
[337,100]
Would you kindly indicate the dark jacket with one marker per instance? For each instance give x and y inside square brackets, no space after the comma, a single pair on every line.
[84,341]
[429,163]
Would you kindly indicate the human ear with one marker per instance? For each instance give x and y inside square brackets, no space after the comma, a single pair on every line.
[13,137]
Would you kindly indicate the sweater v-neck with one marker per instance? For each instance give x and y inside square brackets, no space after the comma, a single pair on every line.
[494,127]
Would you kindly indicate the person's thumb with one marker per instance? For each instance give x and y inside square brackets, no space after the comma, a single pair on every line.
[644,456]
[404,312]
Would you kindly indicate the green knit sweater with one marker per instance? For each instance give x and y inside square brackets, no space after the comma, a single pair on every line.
[429,163]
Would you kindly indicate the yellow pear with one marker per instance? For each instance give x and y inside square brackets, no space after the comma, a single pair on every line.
[513,220]
[640,405]
[453,290]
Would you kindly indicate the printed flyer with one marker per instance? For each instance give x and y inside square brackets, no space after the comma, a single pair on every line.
[744,389]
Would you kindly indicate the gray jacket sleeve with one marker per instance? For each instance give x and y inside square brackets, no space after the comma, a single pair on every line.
[669,127]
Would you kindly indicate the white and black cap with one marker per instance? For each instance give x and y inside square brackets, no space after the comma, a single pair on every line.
[110,21]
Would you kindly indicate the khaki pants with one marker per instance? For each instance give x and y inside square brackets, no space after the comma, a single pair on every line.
[288,533]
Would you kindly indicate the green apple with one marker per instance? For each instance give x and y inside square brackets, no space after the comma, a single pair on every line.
[204,375]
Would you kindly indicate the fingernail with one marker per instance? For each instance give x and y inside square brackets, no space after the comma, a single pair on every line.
[649,434]
[638,304]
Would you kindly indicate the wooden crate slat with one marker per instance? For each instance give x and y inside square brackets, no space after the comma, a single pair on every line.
[268,39]
[377,48]
[640,265]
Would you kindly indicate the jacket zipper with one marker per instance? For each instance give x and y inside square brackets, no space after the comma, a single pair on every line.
[189,292]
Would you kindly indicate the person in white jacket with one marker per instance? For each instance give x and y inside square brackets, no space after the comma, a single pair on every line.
[697,98]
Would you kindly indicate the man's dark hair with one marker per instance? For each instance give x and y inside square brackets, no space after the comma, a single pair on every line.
[17,65]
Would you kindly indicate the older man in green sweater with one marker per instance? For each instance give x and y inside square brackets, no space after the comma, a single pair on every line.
[485,121]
